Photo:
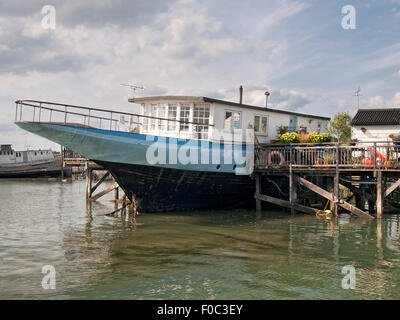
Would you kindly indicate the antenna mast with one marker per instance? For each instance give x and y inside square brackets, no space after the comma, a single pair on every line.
[133,88]
[358,94]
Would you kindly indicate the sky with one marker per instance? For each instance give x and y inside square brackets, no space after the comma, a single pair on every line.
[297,50]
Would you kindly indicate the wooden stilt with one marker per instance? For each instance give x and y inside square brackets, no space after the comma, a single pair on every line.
[88,183]
[379,195]
[104,177]
[328,196]
[393,187]
[105,191]
[116,194]
[362,195]
[62,163]
[336,195]
[286,204]
[292,190]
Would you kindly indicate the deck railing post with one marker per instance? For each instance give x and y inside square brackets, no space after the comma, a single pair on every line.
[16,111]
[111,121]
[374,155]
[65,115]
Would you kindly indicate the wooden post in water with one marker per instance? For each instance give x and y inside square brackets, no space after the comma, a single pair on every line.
[88,182]
[62,163]
[379,195]
[336,195]
[116,194]
[292,190]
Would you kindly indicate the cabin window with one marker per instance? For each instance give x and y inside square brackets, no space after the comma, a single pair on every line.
[319,127]
[172,110]
[153,114]
[184,117]
[232,120]
[162,113]
[201,116]
[228,120]
[260,124]
[146,121]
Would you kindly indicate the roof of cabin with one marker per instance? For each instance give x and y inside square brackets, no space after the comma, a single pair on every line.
[380,117]
[212,100]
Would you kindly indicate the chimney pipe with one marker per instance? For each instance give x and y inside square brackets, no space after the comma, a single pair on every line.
[240,94]
[266,98]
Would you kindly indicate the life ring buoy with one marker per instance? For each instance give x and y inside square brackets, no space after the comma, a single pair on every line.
[281,157]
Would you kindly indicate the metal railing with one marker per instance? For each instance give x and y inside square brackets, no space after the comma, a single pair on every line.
[329,156]
[66,114]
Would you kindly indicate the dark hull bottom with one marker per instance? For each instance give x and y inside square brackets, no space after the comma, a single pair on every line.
[163,190]
[34,174]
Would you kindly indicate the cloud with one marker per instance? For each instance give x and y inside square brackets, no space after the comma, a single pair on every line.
[90,13]
[288,99]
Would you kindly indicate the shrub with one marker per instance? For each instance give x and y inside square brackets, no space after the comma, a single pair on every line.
[289,137]
[315,137]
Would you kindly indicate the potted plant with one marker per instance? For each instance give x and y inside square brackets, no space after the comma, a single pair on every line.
[389,162]
[328,160]
[289,137]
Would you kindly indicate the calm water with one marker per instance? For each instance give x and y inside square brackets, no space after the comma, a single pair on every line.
[207,255]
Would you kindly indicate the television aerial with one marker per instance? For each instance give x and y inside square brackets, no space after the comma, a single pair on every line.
[133,88]
[358,94]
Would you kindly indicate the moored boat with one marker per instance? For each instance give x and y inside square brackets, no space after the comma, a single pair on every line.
[178,153]
[28,163]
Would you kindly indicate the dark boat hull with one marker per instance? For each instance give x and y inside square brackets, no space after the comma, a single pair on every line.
[162,189]
[34,170]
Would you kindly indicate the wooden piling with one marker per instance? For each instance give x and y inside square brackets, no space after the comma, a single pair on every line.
[327,195]
[336,195]
[379,195]
[88,183]
[292,190]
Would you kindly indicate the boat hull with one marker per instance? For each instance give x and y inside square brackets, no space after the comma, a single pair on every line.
[33,170]
[163,190]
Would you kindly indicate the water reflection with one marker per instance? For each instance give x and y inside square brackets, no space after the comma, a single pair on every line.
[211,255]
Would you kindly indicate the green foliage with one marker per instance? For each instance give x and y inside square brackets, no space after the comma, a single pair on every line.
[281,130]
[134,130]
[340,127]
[319,137]
[289,137]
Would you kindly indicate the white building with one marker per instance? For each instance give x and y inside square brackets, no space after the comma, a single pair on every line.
[371,125]
[207,116]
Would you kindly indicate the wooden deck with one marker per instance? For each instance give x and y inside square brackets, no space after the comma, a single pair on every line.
[352,166]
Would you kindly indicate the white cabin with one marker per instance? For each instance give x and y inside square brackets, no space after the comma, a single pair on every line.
[9,156]
[207,118]
[371,125]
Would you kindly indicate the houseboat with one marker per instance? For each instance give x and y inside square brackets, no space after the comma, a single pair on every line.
[178,153]
[28,163]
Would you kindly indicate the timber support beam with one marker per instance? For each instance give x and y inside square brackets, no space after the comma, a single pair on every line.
[335,198]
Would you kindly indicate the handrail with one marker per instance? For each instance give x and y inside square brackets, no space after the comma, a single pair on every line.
[25,102]
[382,155]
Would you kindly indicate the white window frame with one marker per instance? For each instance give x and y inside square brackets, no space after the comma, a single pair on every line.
[260,124]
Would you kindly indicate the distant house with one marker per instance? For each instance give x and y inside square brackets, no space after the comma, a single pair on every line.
[376,124]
